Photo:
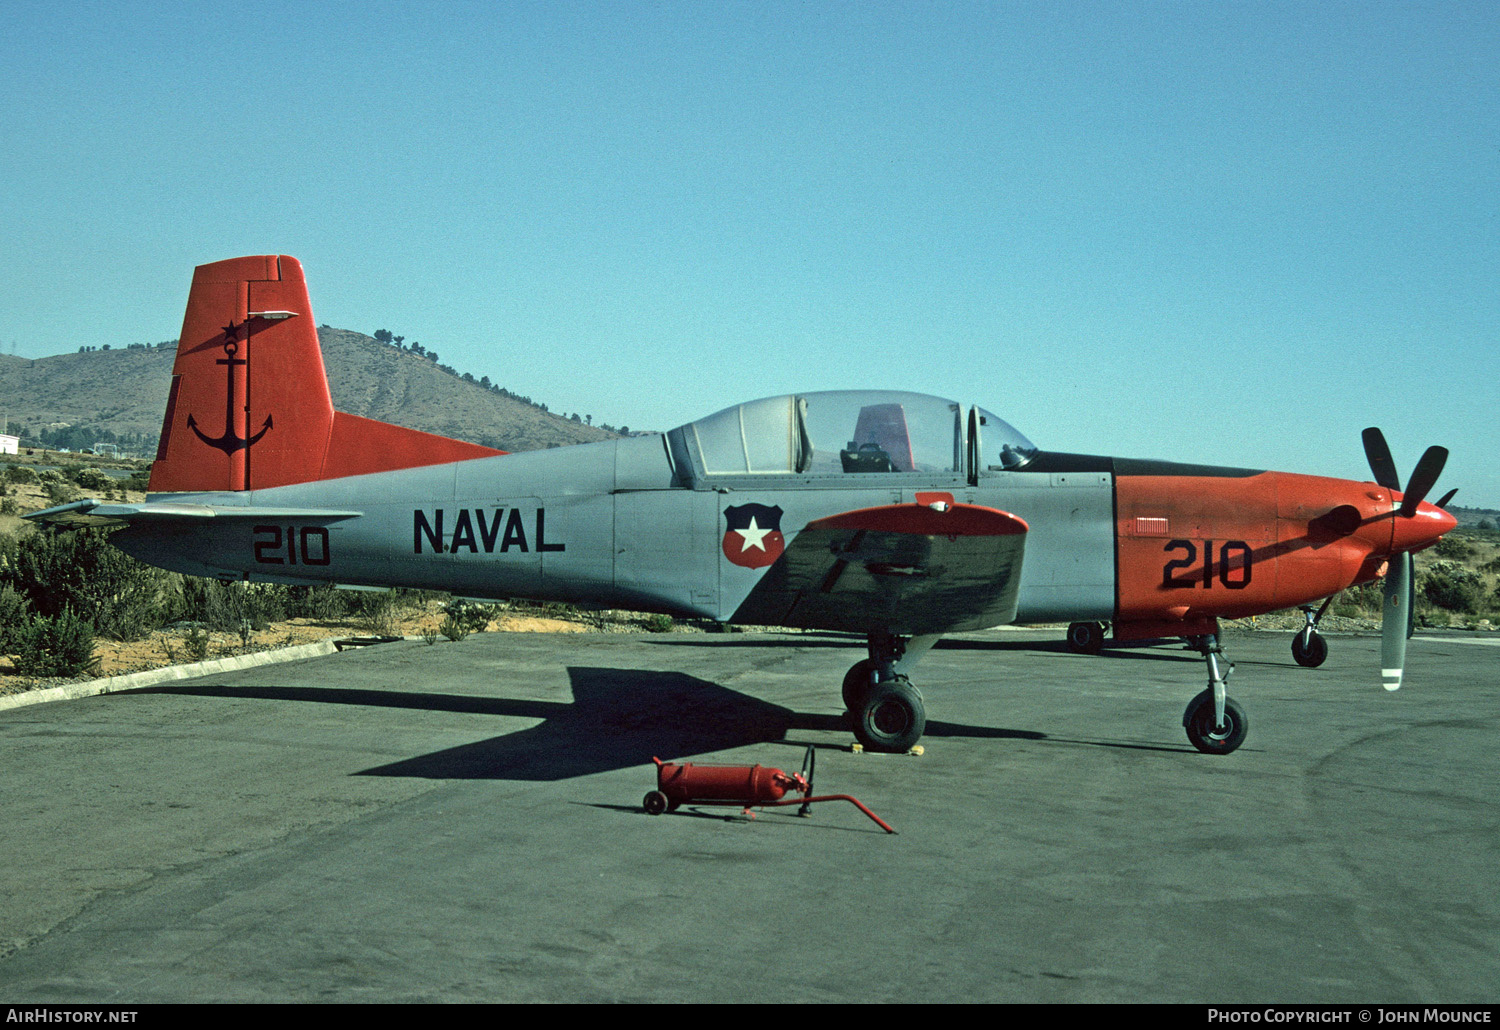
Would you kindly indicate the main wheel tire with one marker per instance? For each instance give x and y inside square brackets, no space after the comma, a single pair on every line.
[1086,637]
[1198,720]
[1313,653]
[891,718]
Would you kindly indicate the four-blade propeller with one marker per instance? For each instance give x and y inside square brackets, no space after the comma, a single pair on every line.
[1396,616]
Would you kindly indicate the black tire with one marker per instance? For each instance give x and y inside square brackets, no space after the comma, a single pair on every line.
[856,685]
[1086,637]
[1198,720]
[655,803]
[1314,654]
[891,718]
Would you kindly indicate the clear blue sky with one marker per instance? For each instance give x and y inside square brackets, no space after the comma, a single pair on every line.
[1224,232]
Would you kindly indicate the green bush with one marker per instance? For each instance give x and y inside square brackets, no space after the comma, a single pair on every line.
[59,492]
[228,607]
[473,616]
[93,480]
[376,612]
[59,646]
[80,572]
[15,613]
[324,603]
[196,642]
[1363,601]
[1450,586]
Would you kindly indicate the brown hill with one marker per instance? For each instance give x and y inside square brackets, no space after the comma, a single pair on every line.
[125,391]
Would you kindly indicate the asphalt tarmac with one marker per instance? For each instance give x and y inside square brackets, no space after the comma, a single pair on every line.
[462,823]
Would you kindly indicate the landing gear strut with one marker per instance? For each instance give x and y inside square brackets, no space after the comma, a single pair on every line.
[1215,723]
[1309,648]
[886,710]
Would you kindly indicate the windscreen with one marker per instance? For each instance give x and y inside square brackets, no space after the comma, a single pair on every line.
[1001,446]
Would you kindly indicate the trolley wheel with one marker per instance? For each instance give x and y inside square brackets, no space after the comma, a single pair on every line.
[1198,720]
[655,803]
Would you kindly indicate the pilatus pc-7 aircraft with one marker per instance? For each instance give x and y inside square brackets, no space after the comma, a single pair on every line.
[894,515]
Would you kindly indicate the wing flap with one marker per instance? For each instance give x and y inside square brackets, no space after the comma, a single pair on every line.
[91,512]
[904,568]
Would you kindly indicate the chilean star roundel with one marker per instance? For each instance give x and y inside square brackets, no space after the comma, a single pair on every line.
[753,538]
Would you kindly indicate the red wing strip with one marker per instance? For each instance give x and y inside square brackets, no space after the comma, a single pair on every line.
[924,520]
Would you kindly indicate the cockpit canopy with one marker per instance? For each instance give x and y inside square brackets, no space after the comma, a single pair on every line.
[849,432]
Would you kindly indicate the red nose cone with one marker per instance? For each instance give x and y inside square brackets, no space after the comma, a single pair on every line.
[1421,530]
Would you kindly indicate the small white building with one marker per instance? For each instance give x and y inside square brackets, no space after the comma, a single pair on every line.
[10,444]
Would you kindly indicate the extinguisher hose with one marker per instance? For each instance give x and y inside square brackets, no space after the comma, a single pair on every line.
[828,797]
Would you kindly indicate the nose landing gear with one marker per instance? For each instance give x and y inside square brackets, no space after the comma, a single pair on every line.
[1215,723]
[1309,647]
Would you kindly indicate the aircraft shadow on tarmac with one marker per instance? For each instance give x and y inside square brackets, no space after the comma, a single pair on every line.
[619,718]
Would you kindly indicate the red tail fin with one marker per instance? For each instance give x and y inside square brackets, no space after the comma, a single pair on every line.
[249,406]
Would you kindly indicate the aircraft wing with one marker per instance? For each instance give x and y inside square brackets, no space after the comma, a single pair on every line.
[97,513]
[904,568]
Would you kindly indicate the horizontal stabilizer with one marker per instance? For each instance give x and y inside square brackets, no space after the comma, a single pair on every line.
[92,512]
[903,568]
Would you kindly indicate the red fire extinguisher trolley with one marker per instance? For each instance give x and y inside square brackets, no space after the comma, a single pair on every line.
[747,786]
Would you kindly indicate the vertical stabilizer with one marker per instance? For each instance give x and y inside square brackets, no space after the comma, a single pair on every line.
[249,406]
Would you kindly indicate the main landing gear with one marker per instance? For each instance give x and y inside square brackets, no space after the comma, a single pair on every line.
[1086,637]
[1215,723]
[1309,648]
[888,714]
[886,710]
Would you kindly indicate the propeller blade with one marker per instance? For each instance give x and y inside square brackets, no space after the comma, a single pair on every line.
[1379,456]
[1395,620]
[1422,479]
[1411,601]
[1442,502]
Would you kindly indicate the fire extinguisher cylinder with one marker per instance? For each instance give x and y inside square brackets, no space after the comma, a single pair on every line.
[750,785]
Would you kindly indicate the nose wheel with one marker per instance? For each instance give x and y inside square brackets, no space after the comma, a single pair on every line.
[1207,733]
[1309,648]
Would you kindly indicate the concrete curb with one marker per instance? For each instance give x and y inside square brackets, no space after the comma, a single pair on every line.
[151,677]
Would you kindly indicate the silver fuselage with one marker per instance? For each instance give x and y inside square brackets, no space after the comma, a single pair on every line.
[618,523]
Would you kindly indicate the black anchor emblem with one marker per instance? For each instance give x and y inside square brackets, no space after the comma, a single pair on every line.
[229,443]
